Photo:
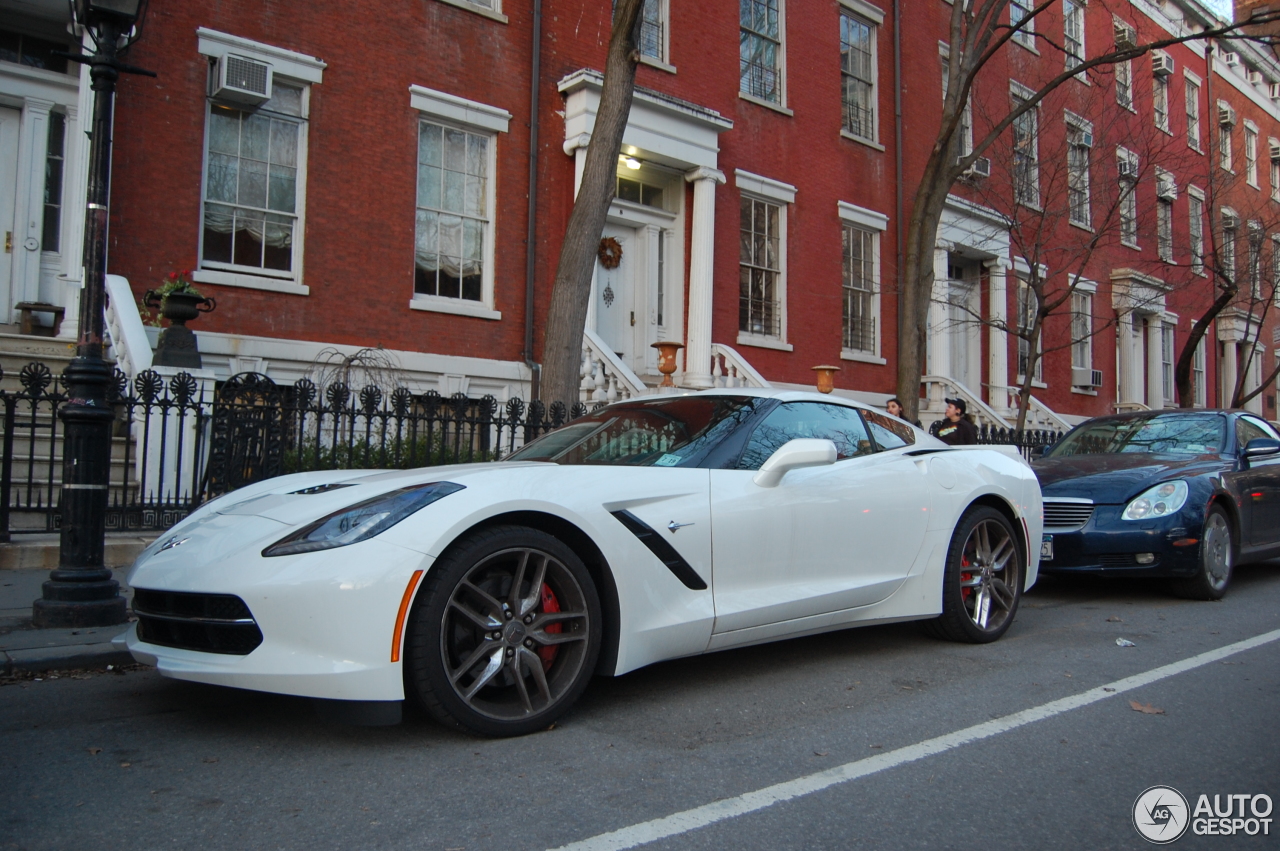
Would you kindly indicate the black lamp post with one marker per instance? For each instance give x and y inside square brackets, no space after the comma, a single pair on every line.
[81,591]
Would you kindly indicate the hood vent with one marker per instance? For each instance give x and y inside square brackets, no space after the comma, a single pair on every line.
[333,486]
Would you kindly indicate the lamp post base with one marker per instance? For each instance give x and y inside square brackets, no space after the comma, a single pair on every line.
[76,598]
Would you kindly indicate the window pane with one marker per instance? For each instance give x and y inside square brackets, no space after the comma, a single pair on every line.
[283,189]
[429,178]
[284,143]
[429,145]
[253,183]
[222,178]
[799,420]
[255,135]
[455,150]
[285,99]
[224,131]
[217,233]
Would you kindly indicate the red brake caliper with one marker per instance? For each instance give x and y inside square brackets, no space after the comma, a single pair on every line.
[964,577]
[550,605]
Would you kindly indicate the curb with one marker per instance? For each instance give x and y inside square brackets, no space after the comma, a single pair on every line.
[40,659]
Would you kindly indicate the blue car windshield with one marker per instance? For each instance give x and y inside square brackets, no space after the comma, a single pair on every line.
[673,432]
[1163,434]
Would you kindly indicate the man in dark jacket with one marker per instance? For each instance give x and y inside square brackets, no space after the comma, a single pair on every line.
[956,429]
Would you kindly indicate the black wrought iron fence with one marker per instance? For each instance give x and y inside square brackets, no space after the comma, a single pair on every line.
[178,441]
[1029,441]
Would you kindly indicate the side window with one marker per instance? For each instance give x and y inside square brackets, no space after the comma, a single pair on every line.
[1248,428]
[807,419]
[888,432]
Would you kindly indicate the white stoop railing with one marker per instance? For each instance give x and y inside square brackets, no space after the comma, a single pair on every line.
[1039,415]
[730,369]
[605,378]
[1130,407]
[938,388]
[167,473]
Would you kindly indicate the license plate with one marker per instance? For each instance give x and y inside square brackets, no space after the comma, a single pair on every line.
[1046,548]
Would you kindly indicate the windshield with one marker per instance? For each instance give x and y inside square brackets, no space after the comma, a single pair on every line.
[675,432]
[1164,434]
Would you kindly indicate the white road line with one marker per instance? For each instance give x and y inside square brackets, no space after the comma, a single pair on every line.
[677,823]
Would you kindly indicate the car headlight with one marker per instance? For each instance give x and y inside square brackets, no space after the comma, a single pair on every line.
[361,521]
[1159,501]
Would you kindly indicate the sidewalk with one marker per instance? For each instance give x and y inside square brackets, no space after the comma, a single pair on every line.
[26,649]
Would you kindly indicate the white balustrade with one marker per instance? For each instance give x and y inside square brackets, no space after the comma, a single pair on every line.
[730,369]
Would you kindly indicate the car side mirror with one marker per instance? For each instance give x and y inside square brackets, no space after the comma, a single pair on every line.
[1261,447]
[792,455]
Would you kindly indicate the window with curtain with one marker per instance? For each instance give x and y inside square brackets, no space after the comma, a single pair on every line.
[1082,330]
[858,75]
[760,268]
[1020,13]
[1160,101]
[1026,161]
[1193,114]
[652,30]
[1195,205]
[1124,83]
[252,189]
[453,217]
[859,290]
[760,49]
[1164,229]
[1027,307]
[1078,151]
[1073,33]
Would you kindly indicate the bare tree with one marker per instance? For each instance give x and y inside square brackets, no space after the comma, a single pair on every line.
[977,33]
[571,292]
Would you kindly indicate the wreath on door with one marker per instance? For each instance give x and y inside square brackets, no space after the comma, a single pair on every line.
[610,253]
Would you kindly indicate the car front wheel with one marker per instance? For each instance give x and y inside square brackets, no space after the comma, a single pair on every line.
[504,635]
[1217,560]
[982,583]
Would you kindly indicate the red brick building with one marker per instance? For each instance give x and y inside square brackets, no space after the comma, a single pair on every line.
[345,183]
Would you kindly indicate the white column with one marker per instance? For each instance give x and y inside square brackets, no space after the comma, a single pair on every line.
[1124,348]
[1229,354]
[702,243]
[938,347]
[577,148]
[1155,372]
[997,338]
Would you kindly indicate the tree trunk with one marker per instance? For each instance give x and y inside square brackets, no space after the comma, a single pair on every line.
[1182,373]
[914,296]
[571,292]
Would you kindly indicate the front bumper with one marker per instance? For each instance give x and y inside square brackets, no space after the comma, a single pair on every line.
[1108,545]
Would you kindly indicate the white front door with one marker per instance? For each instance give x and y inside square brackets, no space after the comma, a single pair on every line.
[963,333]
[616,298]
[9,121]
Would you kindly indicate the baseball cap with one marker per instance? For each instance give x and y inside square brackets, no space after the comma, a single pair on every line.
[959,403]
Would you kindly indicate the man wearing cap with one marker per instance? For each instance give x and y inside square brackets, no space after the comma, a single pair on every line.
[956,429]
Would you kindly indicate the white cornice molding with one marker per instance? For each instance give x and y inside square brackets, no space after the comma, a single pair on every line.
[459,110]
[861,216]
[765,187]
[286,63]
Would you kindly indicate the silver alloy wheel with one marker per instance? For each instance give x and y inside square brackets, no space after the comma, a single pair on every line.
[515,634]
[1217,553]
[989,567]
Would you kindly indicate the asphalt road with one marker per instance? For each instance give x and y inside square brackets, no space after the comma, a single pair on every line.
[136,761]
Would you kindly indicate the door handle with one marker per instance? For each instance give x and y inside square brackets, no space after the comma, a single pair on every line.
[8,242]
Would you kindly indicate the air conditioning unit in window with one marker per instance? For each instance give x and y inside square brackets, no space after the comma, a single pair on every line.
[239,79]
[1127,167]
[1126,36]
[1161,63]
[1166,187]
[1275,150]
[1230,219]
[1086,139]
[1273,91]
[1226,113]
[981,167]
[1254,77]
[1232,59]
[1085,377]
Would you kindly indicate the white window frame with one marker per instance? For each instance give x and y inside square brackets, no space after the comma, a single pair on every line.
[1164,229]
[966,116]
[875,223]
[1017,91]
[1168,358]
[1255,239]
[1124,85]
[781,195]
[1022,305]
[296,69]
[1076,128]
[780,68]
[1026,36]
[1225,154]
[493,11]
[1251,153]
[1073,42]
[1275,268]
[873,18]
[663,59]
[1081,327]
[482,119]
[1160,102]
[1274,167]
[1128,202]
[1195,231]
[1198,375]
[1227,260]
[1191,101]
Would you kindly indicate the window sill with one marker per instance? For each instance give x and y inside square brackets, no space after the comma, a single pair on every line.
[767,104]
[479,10]
[252,282]
[1082,78]
[762,342]
[1081,226]
[861,357]
[1039,385]
[861,141]
[1196,148]
[1024,45]
[1127,106]
[657,63]
[1083,392]
[1253,184]
[455,306]
[1132,245]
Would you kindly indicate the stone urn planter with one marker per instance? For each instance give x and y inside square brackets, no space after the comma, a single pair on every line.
[177,344]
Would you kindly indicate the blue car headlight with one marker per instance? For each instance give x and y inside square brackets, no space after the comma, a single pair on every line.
[361,521]
[1159,501]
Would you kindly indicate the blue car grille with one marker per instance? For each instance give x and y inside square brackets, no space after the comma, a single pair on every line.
[1066,515]
[209,623]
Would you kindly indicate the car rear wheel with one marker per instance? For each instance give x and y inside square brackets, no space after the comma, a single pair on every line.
[1217,560]
[982,583]
[504,635]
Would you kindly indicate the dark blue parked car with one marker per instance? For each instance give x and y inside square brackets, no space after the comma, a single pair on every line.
[1181,495]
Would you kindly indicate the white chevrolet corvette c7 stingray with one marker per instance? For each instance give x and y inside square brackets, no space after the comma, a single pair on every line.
[648,530]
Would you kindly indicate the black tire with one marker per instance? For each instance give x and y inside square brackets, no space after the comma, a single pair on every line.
[984,562]
[1217,559]
[497,661]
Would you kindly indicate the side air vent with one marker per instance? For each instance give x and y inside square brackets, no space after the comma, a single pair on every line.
[664,551]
